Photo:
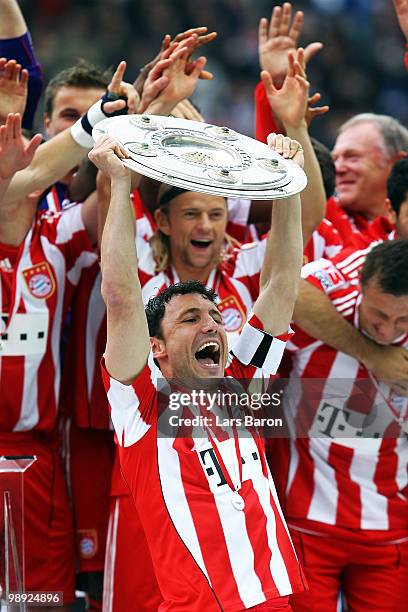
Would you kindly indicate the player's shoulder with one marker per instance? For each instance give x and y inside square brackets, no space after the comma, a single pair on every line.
[325,274]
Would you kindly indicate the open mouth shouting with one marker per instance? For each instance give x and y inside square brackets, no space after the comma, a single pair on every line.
[208,355]
[201,244]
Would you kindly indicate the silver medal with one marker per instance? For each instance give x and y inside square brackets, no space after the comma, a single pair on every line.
[237,501]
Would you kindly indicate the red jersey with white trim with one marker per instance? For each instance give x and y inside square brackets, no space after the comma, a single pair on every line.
[344,470]
[324,242]
[208,554]
[35,292]
[355,230]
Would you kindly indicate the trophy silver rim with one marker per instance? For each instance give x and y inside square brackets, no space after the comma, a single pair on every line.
[203,157]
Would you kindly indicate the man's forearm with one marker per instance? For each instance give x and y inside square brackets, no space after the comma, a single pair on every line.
[284,251]
[316,315]
[52,160]
[313,197]
[280,272]
[4,183]
[12,23]
[118,251]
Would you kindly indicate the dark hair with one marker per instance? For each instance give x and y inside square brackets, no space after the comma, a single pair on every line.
[156,306]
[397,184]
[326,163]
[388,263]
[83,75]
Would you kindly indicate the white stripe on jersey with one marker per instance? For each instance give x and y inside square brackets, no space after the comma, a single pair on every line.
[29,415]
[277,565]
[85,260]
[52,253]
[374,508]
[323,506]
[110,557]
[240,550]
[128,422]
[174,496]
[250,258]
[345,298]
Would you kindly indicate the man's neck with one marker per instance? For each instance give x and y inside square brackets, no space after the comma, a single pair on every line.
[371,214]
[186,272]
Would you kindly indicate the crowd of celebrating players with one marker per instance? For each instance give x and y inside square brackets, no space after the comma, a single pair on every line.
[99,264]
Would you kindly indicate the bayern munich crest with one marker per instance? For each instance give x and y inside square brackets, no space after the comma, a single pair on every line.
[88,543]
[40,280]
[232,314]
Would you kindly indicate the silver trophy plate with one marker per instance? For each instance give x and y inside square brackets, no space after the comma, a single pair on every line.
[202,157]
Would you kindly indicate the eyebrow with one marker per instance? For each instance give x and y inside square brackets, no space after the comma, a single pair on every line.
[200,208]
[197,311]
[68,109]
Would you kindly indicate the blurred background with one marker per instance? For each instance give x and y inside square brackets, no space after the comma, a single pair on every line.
[360,69]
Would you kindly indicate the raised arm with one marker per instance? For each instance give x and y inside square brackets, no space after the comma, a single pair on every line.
[15,43]
[128,341]
[276,38]
[12,22]
[13,88]
[59,155]
[289,104]
[282,263]
[315,313]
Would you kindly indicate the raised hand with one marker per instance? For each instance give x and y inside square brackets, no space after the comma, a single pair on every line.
[279,36]
[106,155]
[117,87]
[154,84]
[401,8]
[201,38]
[289,103]
[181,85]
[168,46]
[13,88]
[315,111]
[15,152]
[186,110]
[287,147]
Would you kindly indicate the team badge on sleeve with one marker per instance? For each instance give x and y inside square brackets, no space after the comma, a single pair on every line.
[330,278]
[40,280]
[232,314]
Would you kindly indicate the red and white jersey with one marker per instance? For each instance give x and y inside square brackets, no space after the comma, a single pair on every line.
[235,280]
[226,558]
[345,465]
[82,392]
[354,229]
[324,242]
[349,261]
[35,293]
[145,226]
[238,226]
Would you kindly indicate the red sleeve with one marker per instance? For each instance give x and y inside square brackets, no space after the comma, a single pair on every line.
[406,57]
[264,120]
